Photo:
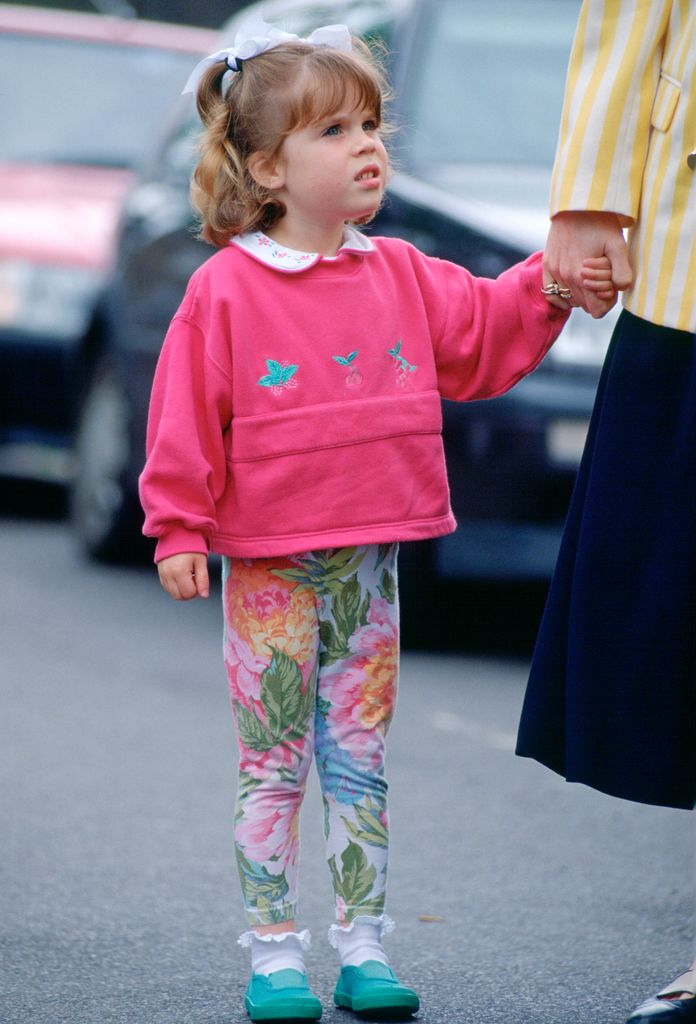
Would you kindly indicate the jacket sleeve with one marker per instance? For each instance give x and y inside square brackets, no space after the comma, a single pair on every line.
[494,332]
[185,471]
[613,90]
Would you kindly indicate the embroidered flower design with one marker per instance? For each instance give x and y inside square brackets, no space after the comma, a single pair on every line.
[283,258]
[354,378]
[403,367]
[279,376]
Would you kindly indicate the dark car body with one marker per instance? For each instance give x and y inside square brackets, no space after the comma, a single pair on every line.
[459,192]
[83,96]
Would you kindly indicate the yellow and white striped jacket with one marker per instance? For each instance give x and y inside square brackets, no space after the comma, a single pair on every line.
[628,139]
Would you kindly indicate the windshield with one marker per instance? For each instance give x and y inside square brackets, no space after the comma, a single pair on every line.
[75,101]
[487,83]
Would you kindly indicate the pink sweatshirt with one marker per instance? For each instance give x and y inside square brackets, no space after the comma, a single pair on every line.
[296,402]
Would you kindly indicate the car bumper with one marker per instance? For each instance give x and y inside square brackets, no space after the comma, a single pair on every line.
[512,464]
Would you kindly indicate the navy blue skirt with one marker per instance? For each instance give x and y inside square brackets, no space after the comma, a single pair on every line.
[611,698]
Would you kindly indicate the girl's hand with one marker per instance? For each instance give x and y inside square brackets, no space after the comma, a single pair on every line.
[597,278]
[185,576]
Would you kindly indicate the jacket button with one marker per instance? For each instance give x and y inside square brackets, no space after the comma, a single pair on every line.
[691,160]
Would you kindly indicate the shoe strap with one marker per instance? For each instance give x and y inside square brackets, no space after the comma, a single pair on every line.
[285,978]
[373,970]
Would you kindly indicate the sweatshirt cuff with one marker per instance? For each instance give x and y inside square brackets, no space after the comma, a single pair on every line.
[179,541]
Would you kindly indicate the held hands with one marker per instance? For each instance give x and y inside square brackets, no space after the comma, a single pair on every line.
[185,576]
[586,253]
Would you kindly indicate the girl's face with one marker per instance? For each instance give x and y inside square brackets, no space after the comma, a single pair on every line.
[331,172]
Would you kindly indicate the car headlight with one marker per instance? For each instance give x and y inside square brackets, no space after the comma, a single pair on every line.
[45,299]
[583,340]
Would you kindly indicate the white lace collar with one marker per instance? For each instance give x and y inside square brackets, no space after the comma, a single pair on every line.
[279,256]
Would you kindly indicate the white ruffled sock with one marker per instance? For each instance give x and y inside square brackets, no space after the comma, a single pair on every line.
[361,940]
[276,952]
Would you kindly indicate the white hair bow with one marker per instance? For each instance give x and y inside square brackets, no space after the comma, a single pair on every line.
[255,37]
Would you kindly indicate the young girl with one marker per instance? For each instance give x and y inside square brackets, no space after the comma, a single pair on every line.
[295,429]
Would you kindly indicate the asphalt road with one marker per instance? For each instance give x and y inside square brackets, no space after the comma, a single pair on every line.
[546,903]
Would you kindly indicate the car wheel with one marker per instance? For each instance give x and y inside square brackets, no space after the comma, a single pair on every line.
[105,513]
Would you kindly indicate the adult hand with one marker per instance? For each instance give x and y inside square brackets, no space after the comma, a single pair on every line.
[578,235]
[185,576]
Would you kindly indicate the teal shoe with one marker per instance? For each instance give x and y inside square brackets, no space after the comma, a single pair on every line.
[281,995]
[373,986]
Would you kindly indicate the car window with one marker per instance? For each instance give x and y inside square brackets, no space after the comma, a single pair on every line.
[75,101]
[364,17]
[502,65]
[178,157]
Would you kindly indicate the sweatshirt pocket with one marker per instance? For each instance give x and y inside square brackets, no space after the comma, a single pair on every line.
[318,428]
[335,468]
[666,101]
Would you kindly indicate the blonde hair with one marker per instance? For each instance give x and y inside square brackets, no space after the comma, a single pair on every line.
[285,88]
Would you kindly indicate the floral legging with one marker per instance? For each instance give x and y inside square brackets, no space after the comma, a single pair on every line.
[311,651]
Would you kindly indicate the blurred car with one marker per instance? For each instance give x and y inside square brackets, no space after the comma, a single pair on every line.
[478,91]
[83,97]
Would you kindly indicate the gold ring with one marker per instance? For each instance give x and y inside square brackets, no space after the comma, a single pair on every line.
[565,293]
[550,289]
